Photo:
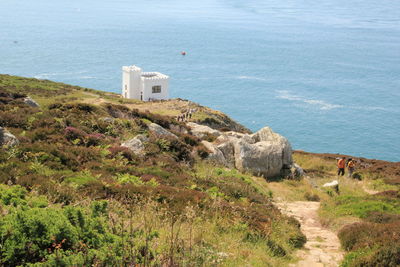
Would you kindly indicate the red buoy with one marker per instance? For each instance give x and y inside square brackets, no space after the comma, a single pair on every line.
[183,53]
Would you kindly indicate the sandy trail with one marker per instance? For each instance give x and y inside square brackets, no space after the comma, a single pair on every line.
[322,247]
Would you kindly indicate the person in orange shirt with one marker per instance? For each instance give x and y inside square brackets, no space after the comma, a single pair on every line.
[341,165]
[350,167]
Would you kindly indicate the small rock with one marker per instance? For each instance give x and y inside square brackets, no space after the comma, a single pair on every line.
[160,131]
[108,119]
[7,139]
[297,171]
[334,184]
[331,184]
[30,102]
[136,144]
[200,131]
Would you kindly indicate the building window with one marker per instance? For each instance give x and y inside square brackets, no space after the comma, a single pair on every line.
[126,87]
[156,89]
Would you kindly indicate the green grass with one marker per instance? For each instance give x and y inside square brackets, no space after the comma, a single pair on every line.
[362,207]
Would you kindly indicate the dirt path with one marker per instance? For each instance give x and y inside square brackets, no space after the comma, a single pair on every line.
[322,247]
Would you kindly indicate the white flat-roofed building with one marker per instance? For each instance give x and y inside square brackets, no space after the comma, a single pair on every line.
[144,86]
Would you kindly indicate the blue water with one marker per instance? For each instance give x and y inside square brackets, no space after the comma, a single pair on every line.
[325,74]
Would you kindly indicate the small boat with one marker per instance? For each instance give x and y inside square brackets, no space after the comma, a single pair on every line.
[183,53]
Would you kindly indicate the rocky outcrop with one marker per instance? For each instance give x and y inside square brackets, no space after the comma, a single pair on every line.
[136,145]
[160,131]
[201,131]
[7,139]
[30,102]
[263,153]
[178,128]
[215,154]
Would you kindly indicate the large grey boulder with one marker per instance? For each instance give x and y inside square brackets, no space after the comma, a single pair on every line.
[201,131]
[136,144]
[228,151]
[215,154]
[7,139]
[30,102]
[264,153]
[160,131]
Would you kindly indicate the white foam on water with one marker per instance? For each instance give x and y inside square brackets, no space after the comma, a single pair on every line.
[57,74]
[254,78]
[320,104]
[323,105]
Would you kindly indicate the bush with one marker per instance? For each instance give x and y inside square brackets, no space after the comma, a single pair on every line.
[276,249]
[298,240]
[72,133]
[14,195]
[203,152]
[33,234]
[365,234]
[123,151]
[311,196]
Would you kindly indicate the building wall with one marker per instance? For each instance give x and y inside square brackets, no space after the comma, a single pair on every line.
[131,84]
[148,87]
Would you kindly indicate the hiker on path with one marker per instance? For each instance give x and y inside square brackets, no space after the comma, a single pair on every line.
[341,165]
[350,167]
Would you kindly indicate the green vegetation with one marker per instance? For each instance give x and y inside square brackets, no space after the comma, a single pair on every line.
[368,224]
[71,195]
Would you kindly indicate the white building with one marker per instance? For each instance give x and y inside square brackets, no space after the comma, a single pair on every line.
[143,85]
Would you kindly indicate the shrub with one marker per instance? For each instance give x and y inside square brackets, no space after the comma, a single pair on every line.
[364,234]
[202,152]
[123,151]
[311,196]
[298,240]
[381,217]
[191,140]
[14,195]
[276,249]
[72,133]
[94,139]
[32,234]
[81,179]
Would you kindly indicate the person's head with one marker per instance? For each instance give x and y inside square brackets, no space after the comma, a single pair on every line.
[350,159]
[343,157]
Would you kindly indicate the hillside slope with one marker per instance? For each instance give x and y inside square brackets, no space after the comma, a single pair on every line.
[71,195]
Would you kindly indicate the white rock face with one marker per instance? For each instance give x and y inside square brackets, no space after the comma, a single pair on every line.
[263,153]
[30,102]
[136,144]
[7,139]
[200,131]
[160,131]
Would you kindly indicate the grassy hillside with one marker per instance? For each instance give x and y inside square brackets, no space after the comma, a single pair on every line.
[365,213]
[71,195]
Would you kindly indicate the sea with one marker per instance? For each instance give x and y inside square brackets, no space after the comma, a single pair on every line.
[325,74]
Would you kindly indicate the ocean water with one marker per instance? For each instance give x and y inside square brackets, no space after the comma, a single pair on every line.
[325,74]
